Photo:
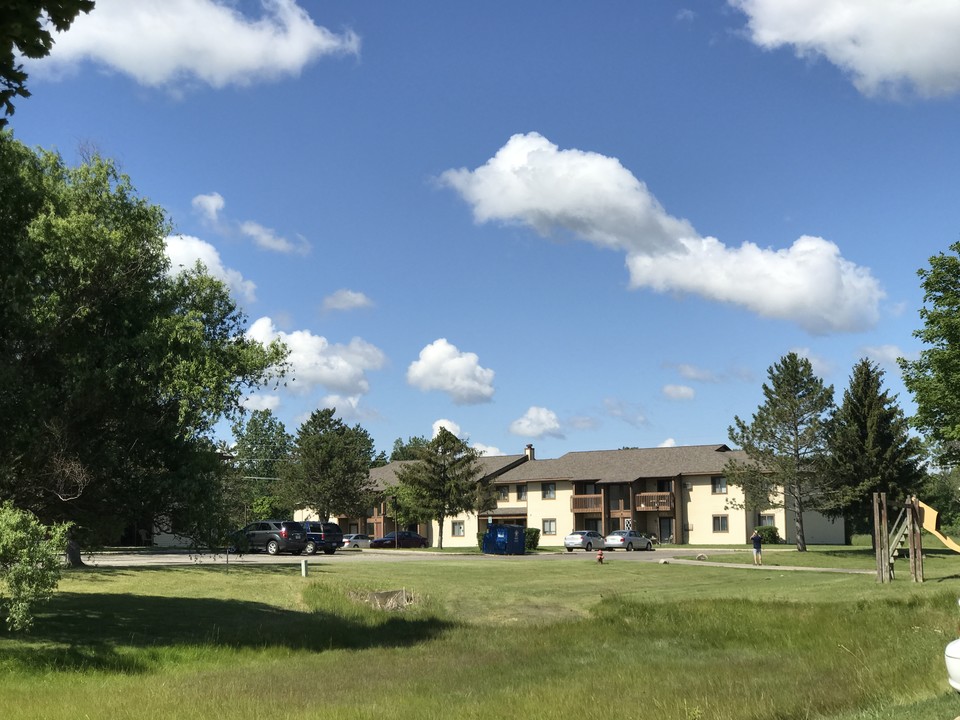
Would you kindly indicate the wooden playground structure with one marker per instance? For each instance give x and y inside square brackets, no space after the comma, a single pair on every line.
[913,516]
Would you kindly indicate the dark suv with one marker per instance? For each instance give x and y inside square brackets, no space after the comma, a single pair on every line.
[326,536]
[274,536]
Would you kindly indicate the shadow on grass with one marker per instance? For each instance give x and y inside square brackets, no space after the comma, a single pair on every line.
[125,632]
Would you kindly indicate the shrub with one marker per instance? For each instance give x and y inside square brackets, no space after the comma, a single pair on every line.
[31,556]
[480,540]
[769,535]
[531,539]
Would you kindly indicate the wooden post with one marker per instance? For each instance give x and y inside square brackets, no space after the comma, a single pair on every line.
[885,534]
[916,542]
[882,538]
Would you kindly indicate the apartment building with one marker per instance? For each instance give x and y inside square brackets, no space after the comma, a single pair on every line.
[678,494]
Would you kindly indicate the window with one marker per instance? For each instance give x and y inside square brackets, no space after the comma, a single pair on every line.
[521,492]
[548,491]
[456,528]
[719,485]
[720,524]
[767,521]
[550,526]
[503,492]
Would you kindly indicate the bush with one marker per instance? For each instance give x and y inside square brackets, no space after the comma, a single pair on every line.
[769,535]
[480,540]
[531,539]
[31,556]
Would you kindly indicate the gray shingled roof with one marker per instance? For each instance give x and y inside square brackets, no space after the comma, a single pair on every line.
[618,466]
[386,476]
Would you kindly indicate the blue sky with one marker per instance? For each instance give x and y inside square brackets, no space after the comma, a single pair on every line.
[578,225]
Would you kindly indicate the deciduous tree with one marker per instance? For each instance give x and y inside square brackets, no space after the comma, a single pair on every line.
[114,370]
[261,450]
[25,29]
[934,377]
[786,443]
[443,481]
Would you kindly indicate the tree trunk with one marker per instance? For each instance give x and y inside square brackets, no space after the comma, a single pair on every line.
[440,534]
[74,554]
[798,521]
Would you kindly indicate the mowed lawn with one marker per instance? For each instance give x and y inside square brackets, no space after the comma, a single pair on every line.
[488,638]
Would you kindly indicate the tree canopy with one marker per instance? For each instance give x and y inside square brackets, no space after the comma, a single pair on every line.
[934,377]
[329,472]
[24,29]
[261,450]
[443,481]
[869,450]
[786,442]
[114,370]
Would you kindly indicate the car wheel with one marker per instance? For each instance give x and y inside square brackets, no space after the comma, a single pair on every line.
[273,547]
[311,547]
[355,546]
[630,547]
[423,544]
[329,551]
[589,547]
[569,549]
[649,547]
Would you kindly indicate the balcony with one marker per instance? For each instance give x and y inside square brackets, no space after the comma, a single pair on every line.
[586,503]
[655,501]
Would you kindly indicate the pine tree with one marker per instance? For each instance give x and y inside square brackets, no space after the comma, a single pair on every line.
[870,450]
[444,480]
[785,442]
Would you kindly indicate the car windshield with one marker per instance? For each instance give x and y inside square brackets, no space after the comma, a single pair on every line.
[618,533]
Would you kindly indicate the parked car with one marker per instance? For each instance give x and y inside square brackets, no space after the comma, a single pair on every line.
[403,538]
[356,540]
[274,536]
[628,540]
[586,539]
[325,536]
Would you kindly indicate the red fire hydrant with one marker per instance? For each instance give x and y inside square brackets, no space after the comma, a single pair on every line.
[600,556]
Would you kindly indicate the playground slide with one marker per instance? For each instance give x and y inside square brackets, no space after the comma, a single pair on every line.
[932,525]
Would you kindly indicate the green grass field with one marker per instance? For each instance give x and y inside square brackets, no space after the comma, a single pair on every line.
[488,638]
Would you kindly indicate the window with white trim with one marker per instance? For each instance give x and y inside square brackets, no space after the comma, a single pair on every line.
[720,524]
[457,528]
[718,485]
[549,526]
[548,491]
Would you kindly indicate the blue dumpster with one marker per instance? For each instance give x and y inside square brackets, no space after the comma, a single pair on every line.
[504,540]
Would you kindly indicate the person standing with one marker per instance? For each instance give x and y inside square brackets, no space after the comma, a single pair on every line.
[756,540]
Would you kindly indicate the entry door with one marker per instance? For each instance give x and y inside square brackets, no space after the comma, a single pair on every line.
[666,529]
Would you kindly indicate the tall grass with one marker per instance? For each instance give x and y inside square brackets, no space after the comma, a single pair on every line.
[507,638]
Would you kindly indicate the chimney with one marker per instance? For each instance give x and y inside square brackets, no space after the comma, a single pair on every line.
[529,453]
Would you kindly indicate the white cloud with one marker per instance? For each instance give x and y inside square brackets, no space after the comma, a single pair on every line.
[443,367]
[820,365]
[537,422]
[176,42]
[692,372]
[678,392]
[630,413]
[486,450]
[531,182]
[449,425]
[267,239]
[185,250]
[885,355]
[669,442]
[261,402]
[346,300]
[209,206]
[885,45]
[316,362]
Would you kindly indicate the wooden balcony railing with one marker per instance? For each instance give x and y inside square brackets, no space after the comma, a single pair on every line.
[655,501]
[586,503]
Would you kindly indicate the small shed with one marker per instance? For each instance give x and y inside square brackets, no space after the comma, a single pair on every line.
[504,540]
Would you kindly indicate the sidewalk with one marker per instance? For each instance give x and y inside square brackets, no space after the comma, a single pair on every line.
[751,566]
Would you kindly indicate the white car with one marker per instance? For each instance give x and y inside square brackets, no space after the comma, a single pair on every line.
[356,540]
[628,540]
[586,539]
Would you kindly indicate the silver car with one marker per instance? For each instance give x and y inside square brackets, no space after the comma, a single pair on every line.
[628,540]
[586,539]
[356,540]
